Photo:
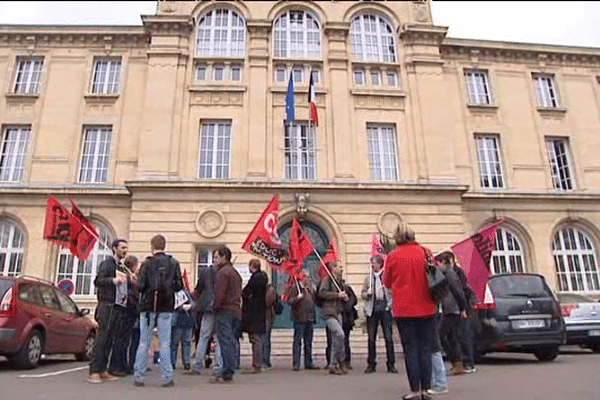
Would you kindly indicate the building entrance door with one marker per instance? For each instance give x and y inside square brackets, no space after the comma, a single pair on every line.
[311,267]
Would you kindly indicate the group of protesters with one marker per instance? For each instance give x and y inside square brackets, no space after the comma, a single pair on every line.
[134,303]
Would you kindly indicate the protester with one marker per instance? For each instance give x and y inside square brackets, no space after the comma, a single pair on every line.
[301,297]
[272,302]
[377,305]
[227,309]
[160,279]
[439,380]
[413,309]
[331,290]
[128,334]
[182,329]
[108,314]
[349,315]
[254,312]
[466,327]
[454,308]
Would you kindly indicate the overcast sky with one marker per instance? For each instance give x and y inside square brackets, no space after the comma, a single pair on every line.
[575,23]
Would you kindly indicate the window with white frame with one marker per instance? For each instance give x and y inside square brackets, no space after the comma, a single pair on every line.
[12,246]
[297,34]
[95,154]
[215,147]
[560,163]
[280,74]
[375,78]
[383,152]
[392,77]
[372,39]
[205,259]
[27,78]
[478,87]
[575,260]
[507,257]
[107,75]
[545,89]
[236,73]
[300,151]
[221,33]
[83,272]
[218,72]
[201,73]
[359,77]
[490,162]
[14,152]
[298,76]
[316,75]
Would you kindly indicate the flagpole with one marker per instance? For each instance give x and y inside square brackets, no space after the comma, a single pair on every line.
[500,221]
[327,269]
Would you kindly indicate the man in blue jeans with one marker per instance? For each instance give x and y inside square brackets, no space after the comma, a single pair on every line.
[301,297]
[227,308]
[160,279]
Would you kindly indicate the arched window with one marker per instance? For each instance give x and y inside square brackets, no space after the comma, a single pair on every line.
[507,257]
[297,34]
[12,244]
[81,272]
[221,33]
[372,39]
[575,260]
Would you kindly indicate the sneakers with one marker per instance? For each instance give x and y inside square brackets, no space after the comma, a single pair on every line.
[94,378]
[220,379]
[336,371]
[138,383]
[171,383]
[370,369]
[437,390]
[106,376]
[392,370]
[192,371]
[470,369]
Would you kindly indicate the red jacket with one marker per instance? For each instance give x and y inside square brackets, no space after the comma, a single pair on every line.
[405,276]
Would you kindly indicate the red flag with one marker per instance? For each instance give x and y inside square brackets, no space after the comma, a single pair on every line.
[263,240]
[60,223]
[474,254]
[300,248]
[332,255]
[186,281]
[376,248]
[312,101]
[83,240]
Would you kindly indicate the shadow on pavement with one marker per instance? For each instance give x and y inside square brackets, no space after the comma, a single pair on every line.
[508,359]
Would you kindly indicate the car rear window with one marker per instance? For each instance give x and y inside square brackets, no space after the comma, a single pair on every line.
[4,285]
[511,286]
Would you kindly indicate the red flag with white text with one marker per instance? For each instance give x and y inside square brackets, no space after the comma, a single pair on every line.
[83,240]
[60,225]
[263,240]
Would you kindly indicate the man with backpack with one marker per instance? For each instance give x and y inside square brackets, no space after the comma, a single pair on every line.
[160,279]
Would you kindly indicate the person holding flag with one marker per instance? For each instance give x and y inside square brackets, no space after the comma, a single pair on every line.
[304,315]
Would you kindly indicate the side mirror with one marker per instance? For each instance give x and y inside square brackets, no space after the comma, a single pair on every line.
[84,311]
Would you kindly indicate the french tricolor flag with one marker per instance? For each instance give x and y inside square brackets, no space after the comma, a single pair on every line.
[312,100]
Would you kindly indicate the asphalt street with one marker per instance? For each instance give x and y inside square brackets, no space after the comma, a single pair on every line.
[573,375]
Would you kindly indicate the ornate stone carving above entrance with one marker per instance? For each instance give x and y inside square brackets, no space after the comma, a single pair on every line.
[210,223]
[388,222]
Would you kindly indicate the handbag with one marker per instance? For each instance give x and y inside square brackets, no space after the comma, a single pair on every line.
[436,280]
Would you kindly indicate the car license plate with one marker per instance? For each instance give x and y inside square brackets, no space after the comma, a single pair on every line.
[594,332]
[528,323]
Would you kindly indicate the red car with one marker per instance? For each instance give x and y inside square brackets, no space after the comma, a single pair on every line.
[37,318]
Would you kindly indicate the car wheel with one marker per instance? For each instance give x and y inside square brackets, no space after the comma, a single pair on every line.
[595,347]
[546,353]
[29,356]
[86,354]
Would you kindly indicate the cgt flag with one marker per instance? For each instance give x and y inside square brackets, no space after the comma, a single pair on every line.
[300,248]
[332,255]
[60,224]
[83,240]
[263,241]
[474,254]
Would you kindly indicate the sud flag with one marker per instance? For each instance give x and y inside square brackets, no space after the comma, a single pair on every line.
[474,254]
[263,240]
[332,255]
[83,240]
[60,225]
[312,101]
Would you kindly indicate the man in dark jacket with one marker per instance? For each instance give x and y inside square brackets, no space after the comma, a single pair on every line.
[107,313]
[254,311]
[228,312]
[466,326]
[160,279]
[304,316]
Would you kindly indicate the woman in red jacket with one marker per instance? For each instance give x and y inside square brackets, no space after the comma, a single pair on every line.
[413,309]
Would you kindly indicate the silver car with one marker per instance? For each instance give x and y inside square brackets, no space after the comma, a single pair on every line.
[582,320]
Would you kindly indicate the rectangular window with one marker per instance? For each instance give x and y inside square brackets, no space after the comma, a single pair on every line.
[236,73]
[316,75]
[280,74]
[27,79]
[298,76]
[201,73]
[383,152]
[392,78]
[300,151]
[218,72]
[490,164]
[478,87]
[106,77]
[375,78]
[359,77]
[215,146]
[545,90]
[95,154]
[14,151]
[205,260]
[560,165]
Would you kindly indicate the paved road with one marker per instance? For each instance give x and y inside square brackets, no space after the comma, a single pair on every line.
[574,375]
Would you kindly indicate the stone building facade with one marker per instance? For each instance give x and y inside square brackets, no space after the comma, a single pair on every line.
[177,126]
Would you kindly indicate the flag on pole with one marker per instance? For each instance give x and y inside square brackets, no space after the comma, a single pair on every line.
[263,241]
[474,255]
[60,225]
[83,240]
[300,248]
[377,248]
[312,101]
[332,255]
[289,101]
[186,281]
